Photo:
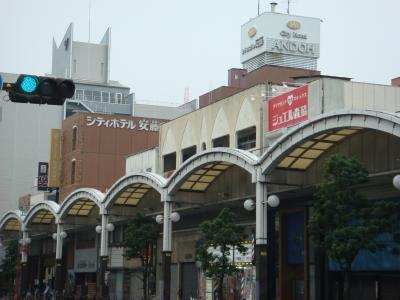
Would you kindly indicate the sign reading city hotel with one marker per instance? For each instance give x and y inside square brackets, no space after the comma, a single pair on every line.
[143,124]
[288,109]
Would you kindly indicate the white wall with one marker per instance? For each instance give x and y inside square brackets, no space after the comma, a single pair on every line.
[142,162]
[24,141]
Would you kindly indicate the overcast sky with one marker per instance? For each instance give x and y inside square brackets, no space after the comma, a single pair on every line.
[160,47]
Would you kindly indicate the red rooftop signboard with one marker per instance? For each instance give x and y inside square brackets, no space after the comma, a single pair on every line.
[288,109]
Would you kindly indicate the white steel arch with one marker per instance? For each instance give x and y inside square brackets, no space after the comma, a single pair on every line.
[156,181]
[85,193]
[50,206]
[381,121]
[10,215]
[241,158]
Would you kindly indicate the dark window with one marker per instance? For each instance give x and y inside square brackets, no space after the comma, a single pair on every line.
[74,137]
[73,163]
[222,141]
[188,152]
[117,236]
[203,146]
[169,162]
[246,138]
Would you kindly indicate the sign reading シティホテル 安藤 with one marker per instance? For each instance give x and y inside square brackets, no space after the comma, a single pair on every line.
[122,123]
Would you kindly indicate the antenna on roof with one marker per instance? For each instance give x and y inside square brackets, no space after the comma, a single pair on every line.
[288,6]
[187,95]
[90,8]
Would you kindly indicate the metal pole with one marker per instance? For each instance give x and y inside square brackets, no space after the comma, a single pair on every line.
[59,246]
[165,283]
[103,256]
[261,241]
[24,263]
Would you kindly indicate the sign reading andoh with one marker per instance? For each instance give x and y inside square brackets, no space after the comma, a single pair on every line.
[288,109]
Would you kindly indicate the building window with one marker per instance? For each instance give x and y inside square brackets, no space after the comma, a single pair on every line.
[203,146]
[119,98]
[101,69]
[74,66]
[88,95]
[74,137]
[73,167]
[79,95]
[112,97]
[96,96]
[169,162]
[222,141]
[105,97]
[246,138]
[117,236]
[188,152]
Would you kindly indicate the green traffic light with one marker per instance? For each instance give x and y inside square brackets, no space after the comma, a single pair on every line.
[29,84]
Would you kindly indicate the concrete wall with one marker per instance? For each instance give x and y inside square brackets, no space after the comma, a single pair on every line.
[163,112]
[89,59]
[25,141]
[142,162]
[61,60]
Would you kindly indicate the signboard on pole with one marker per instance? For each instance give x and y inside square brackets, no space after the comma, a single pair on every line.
[43,171]
[288,109]
[55,158]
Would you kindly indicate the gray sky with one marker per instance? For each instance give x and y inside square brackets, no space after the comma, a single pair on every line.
[160,47]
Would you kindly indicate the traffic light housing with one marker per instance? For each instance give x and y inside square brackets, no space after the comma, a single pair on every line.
[41,90]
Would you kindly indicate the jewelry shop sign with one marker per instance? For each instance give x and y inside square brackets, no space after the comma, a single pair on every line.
[288,109]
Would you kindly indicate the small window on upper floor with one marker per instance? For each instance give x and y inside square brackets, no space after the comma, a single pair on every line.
[119,98]
[105,97]
[78,95]
[246,138]
[97,96]
[222,141]
[169,162]
[88,95]
[203,146]
[74,137]
[117,236]
[112,97]
[188,152]
[73,167]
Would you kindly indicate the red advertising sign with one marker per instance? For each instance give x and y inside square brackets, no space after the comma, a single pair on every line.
[288,109]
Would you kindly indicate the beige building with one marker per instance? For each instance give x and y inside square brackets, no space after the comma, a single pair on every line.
[232,122]
[240,120]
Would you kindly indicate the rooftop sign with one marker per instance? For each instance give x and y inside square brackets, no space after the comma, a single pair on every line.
[280,33]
